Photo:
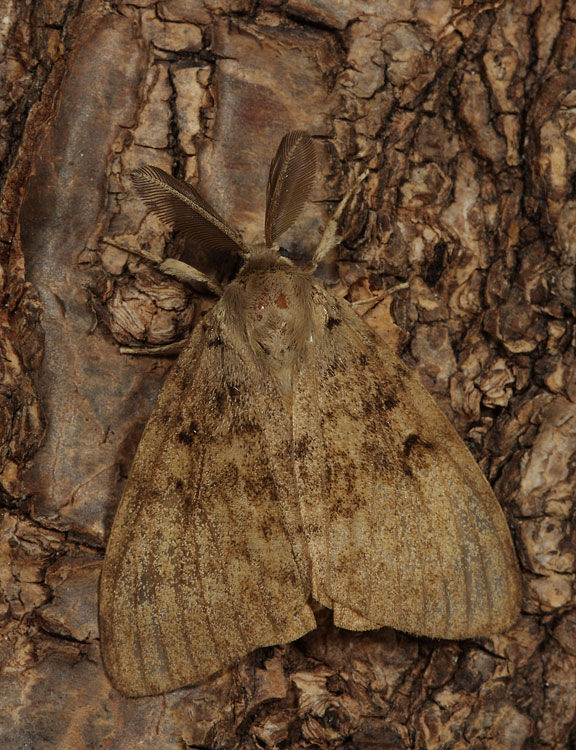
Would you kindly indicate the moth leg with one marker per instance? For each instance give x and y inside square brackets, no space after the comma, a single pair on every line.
[330,237]
[184,272]
[175,347]
[187,274]
[379,297]
[141,253]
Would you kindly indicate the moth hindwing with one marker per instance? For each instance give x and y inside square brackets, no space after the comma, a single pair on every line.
[290,457]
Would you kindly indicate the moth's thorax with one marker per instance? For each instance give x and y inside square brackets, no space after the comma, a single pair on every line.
[278,317]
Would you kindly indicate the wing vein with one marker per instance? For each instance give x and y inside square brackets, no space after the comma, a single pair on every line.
[209,608]
[208,611]
[462,561]
[480,547]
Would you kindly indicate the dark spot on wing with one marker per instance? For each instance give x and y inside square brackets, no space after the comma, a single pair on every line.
[406,469]
[234,392]
[179,484]
[188,435]
[409,443]
[381,401]
[332,323]
[215,342]
[347,506]
[417,453]
[414,441]
[301,448]
[362,359]
[260,490]
[390,402]
[220,400]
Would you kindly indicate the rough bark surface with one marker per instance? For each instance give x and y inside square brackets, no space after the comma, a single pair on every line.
[465,114]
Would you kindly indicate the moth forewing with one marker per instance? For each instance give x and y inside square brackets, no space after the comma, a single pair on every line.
[291,456]
[204,563]
[402,526]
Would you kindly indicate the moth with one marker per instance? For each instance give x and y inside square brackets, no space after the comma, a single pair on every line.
[291,457]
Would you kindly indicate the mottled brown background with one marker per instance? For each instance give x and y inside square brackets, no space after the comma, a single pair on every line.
[465,112]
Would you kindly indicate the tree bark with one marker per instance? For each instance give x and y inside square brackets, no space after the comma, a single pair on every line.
[465,115]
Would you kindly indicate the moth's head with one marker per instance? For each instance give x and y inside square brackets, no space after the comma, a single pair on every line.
[264,259]
[181,206]
[262,250]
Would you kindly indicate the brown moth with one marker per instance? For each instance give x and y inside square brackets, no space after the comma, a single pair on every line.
[291,457]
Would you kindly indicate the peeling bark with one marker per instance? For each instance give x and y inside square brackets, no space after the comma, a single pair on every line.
[465,115]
